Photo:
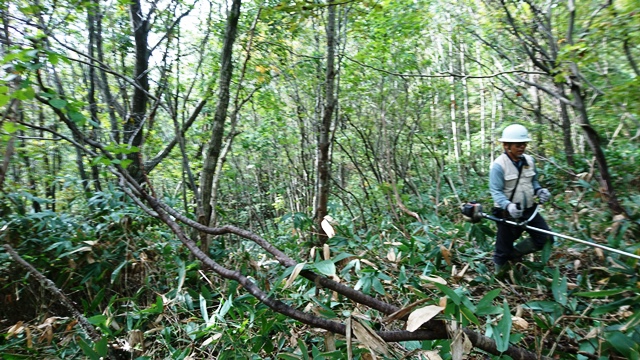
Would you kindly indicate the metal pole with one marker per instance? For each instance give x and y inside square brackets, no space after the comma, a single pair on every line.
[562,236]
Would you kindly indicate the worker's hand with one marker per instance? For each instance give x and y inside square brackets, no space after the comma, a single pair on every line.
[543,195]
[514,211]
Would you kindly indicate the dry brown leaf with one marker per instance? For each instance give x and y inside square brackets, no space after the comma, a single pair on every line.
[443,302]
[446,254]
[348,336]
[421,316]
[460,346]
[46,336]
[519,323]
[15,329]
[330,341]
[599,253]
[294,274]
[519,311]
[325,224]
[136,339]
[461,273]
[431,355]
[434,279]
[391,255]
[326,252]
[404,311]
[29,338]
[576,265]
[369,338]
[365,261]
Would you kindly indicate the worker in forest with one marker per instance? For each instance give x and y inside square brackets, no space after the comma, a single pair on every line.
[513,182]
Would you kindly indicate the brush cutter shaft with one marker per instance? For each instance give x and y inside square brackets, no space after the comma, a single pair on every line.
[560,235]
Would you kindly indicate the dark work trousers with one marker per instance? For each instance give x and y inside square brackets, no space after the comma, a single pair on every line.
[508,234]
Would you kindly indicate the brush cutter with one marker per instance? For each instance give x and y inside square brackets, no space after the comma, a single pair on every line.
[472,212]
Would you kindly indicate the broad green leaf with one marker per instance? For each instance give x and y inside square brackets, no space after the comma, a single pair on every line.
[303,349]
[485,305]
[377,286]
[76,117]
[116,272]
[469,315]
[24,94]
[502,331]
[623,344]
[101,347]
[449,292]
[203,308]
[97,319]
[4,99]
[87,350]
[600,294]
[58,103]
[10,127]
[559,287]
[325,267]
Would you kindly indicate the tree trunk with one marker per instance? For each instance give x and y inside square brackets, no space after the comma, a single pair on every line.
[324,140]
[567,138]
[214,147]
[133,126]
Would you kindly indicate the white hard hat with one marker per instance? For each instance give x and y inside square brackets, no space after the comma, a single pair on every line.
[515,133]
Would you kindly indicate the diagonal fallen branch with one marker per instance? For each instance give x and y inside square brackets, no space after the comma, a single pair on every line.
[49,285]
[432,330]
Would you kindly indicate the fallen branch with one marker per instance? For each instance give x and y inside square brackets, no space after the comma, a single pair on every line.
[430,331]
[51,286]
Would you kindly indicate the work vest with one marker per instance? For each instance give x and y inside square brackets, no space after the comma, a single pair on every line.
[524,192]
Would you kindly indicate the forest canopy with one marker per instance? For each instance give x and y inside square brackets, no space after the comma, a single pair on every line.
[283,180]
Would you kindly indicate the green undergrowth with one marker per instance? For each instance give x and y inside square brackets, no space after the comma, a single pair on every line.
[133,281]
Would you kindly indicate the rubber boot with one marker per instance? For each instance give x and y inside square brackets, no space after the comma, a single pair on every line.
[524,247]
[501,271]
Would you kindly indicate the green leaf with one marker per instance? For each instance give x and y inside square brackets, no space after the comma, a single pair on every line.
[101,347]
[469,315]
[97,319]
[449,292]
[304,349]
[623,344]
[502,332]
[600,294]
[25,94]
[76,117]
[288,357]
[559,287]
[58,103]
[125,162]
[203,309]
[325,267]
[116,272]
[377,286]
[10,127]
[4,99]
[485,305]
[88,351]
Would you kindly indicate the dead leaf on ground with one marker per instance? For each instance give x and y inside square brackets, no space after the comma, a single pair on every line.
[421,316]
[519,323]
[391,255]
[431,355]
[404,311]
[369,338]
[446,254]
[434,279]
[294,274]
